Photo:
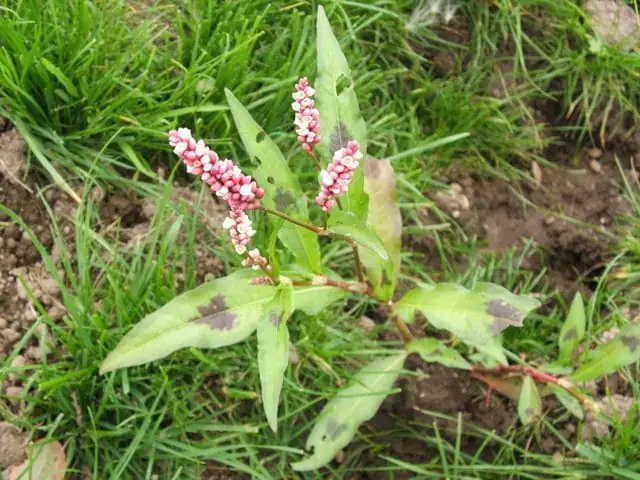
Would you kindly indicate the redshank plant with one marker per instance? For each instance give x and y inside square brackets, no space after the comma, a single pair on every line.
[357,197]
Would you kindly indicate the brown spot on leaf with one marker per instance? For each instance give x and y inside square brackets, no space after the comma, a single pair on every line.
[631,342]
[284,199]
[371,168]
[338,138]
[530,412]
[275,318]
[571,334]
[504,311]
[216,315]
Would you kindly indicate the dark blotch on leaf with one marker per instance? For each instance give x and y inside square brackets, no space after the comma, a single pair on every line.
[498,325]
[571,334]
[631,342]
[437,351]
[284,199]
[385,278]
[371,168]
[501,309]
[342,83]
[530,412]
[261,136]
[275,318]
[334,430]
[271,180]
[339,137]
[216,315]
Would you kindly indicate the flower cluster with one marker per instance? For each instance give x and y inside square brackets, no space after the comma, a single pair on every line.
[226,180]
[334,181]
[307,118]
[256,261]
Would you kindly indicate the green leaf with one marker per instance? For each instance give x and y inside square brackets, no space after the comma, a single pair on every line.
[314,299]
[340,116]
[473,315]
[385,218]
[573,329]
[529,404]
[609,357]
[492,350]
[215,314]
[433,350]
[351,406]
[273,350]
[282,190]
[569,402]
[348,225]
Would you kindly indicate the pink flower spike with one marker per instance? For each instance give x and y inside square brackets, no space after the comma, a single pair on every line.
[307,118]
[240,230]
[225,179]
[256,261]
[334,181]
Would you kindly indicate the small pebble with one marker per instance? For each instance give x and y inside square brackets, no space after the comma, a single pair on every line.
[536,171]
[15,394]
[294,358]
[10,335]
[49,286]
[595,166]
[549,220]
[34,353]
[3,323]
[594,152]
[367,324]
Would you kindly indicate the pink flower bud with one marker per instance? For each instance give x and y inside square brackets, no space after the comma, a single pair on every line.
[306,115]
[334,181]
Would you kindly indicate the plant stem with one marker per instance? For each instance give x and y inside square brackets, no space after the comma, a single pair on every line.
[315,159]
[355,287]
[356,258]
[540,377]
[289,218]
[407,336]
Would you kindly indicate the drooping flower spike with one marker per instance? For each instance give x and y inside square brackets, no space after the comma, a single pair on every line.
[307,117]
[334,181]
[256,261]
[226,180]
[240,230]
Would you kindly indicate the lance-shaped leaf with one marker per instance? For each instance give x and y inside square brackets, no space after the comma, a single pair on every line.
[221,312]
[433,350]
[273,349]
[609,357]
[352,405]
[473,315]
[282,190]
[569,402]
[573,329]
[340,119]
[529,404]
[314,299]
[385,218]
[348,225]
[215,314]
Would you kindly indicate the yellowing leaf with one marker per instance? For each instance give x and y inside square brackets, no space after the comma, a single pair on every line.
[385,218]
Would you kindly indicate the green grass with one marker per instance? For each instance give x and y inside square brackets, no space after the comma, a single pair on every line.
[94,86]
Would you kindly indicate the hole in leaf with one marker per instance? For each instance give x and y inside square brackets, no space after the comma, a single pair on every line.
[261,136]
[342,83]
[271,180]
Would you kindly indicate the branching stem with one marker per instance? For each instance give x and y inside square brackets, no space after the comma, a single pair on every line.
[540,377]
